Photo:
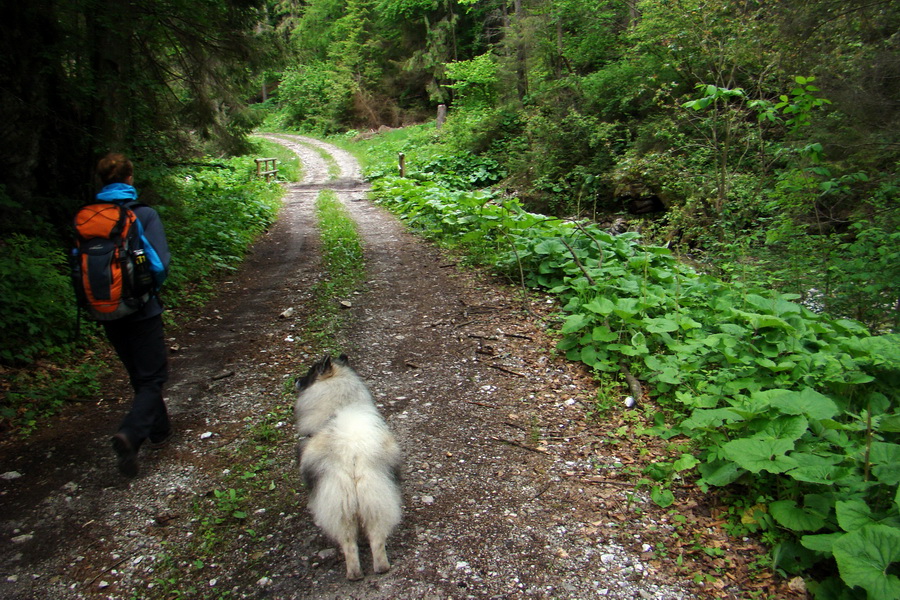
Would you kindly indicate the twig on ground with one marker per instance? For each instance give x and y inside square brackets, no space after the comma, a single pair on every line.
[505,370]
[484,404]
[107,570]
[517,444]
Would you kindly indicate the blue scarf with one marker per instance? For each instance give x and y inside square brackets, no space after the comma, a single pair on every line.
[117,191]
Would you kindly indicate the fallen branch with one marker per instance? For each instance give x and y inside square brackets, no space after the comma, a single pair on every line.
[505,370]
[484,404]
[518,335]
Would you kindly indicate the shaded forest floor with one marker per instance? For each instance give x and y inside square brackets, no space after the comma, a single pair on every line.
[516,483]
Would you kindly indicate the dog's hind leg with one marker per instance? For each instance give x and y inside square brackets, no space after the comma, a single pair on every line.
[351,557]
[379,518]
[379,553]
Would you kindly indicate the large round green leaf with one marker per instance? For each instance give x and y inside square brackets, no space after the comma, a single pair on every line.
[757,455]
[796,518]
[864,557]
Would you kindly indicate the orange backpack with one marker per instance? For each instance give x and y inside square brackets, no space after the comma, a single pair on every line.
[110,271]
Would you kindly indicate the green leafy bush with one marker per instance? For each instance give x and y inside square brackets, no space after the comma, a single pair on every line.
[314,97]
[466,171]
[38,313]
[211,216]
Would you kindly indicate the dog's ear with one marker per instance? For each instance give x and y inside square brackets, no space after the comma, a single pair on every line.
[305,381]
[324,365]
[342,360]
[320,368]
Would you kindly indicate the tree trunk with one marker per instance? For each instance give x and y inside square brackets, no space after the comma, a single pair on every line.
[111,65]
[521,55]
[634,15]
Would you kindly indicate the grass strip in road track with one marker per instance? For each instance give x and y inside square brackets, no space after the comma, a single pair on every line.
[345,270]
[342,253]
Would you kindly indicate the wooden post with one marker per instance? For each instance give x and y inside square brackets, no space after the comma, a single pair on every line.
[441,115]
[402,165]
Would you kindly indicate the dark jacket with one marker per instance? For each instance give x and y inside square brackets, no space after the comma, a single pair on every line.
[156,235]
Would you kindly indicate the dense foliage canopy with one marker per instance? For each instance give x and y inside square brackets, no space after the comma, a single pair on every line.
[80,78]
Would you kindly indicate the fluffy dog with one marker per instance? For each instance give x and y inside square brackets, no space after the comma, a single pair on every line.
[349,461]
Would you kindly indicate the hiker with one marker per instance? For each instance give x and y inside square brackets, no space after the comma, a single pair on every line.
[138,337]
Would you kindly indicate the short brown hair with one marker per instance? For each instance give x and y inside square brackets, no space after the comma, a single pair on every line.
[114,168]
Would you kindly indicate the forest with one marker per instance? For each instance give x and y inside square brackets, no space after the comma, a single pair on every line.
[756,142]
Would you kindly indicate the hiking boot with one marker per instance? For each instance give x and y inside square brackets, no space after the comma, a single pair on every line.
[160,441]
[127,455]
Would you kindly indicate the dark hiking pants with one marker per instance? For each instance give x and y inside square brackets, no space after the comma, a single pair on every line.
[141,346]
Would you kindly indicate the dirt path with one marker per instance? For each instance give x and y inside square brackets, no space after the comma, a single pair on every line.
[506,494]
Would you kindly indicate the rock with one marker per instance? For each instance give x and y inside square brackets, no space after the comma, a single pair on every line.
[287,313]
[10,475]
[326,554]
[798,585]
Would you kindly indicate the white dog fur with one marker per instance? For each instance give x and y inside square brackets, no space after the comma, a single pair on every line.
[350,461]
